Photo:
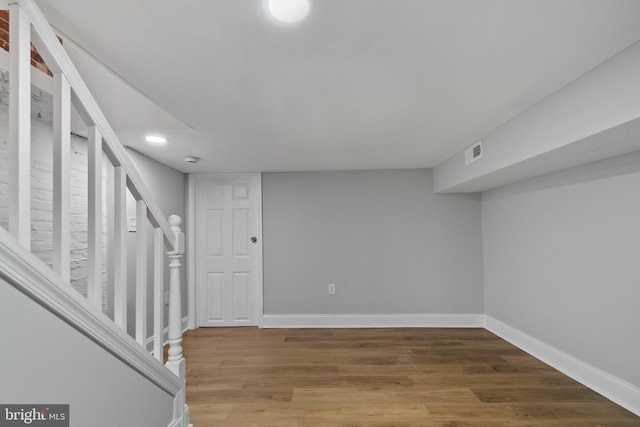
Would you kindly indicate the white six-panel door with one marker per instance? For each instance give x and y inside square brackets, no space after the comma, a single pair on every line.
[228,240]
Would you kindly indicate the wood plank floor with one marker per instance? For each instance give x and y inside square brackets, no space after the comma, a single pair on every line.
[380,377]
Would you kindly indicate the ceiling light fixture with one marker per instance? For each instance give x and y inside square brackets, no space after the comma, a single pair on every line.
[155,139]
[288,11]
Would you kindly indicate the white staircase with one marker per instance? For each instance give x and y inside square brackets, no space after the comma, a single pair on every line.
[49,287]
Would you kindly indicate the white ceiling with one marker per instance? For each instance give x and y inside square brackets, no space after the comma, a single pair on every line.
[361,84]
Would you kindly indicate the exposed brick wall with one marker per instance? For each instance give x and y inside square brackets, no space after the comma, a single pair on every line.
[36,59]
[4,29]
[42,199]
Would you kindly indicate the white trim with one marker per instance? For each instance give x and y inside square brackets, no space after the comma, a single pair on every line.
[165,335]
[61,176]
[373,321]
[19,126]
[178,422]
[94,220]
[29,275]
[191,252]
[193,182]
[613,388]
[259,259]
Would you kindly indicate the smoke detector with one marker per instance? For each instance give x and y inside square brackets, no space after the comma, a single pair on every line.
[191,159]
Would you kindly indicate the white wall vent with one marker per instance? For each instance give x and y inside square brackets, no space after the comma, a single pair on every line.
[473,153]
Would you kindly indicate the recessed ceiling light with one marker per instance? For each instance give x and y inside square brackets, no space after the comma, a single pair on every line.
[288,11]
[155,139]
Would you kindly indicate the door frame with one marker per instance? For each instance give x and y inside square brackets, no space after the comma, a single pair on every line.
[194,181]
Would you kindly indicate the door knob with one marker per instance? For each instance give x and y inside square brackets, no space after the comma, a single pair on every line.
[254,239]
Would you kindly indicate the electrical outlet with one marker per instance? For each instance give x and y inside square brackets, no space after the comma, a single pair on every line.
[166,298]
[332,288]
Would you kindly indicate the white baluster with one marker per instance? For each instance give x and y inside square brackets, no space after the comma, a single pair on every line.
[141,272]
[158,291]
[120,248]
[20,125]
[94,279]
[61,155]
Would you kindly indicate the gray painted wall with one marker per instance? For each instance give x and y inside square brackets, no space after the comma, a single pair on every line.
[384,238]
[167,188]
[561,261]
[43,360]
[166,185]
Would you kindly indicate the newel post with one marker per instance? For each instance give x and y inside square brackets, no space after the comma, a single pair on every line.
[176,363]
[175,303]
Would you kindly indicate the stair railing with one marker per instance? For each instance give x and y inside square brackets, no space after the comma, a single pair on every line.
[29,25]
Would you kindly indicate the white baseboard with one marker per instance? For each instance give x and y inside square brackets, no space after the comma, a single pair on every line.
[165,335]
[613,388]
[373,320]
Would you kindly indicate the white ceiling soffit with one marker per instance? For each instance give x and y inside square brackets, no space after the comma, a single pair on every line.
[123,105]
[360,84]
